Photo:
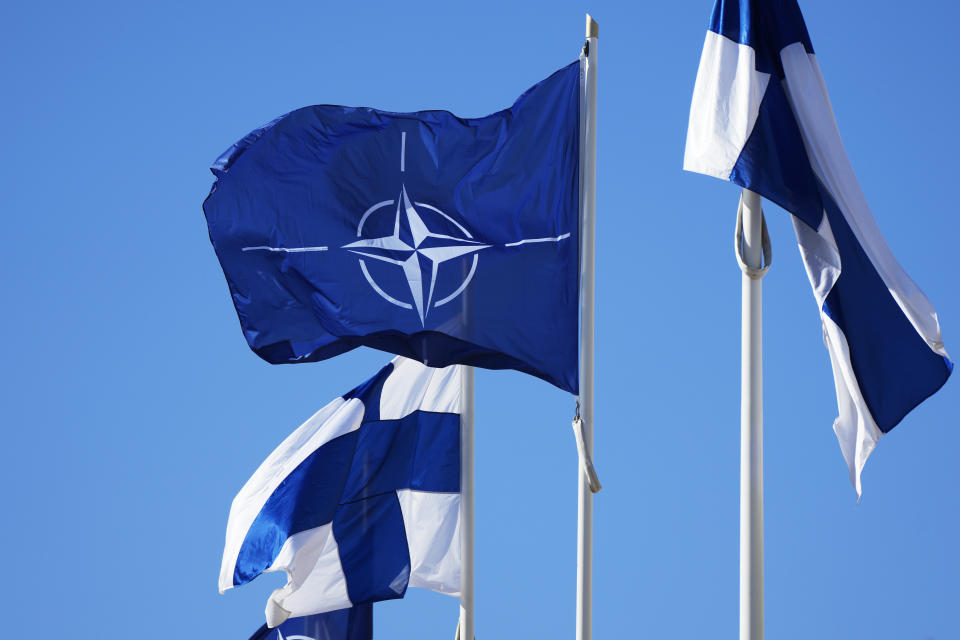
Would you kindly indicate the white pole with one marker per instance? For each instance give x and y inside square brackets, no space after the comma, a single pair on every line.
[466,631]
[588,167]
[751,425]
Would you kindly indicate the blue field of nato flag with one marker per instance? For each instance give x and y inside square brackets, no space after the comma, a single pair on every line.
[360,502]
[762,119]
[443,239]
[355,623]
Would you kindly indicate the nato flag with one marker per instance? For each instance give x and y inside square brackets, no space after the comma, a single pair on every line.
[442,239]
[355,623]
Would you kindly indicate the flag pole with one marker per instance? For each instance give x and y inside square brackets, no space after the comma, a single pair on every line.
[588,154]
[465,629]
[752,247]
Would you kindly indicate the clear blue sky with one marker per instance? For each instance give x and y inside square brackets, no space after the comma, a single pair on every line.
[132,410]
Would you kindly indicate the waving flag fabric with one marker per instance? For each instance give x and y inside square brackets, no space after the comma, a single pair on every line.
[443,239]
[360,502]
[355,623]
[762,119]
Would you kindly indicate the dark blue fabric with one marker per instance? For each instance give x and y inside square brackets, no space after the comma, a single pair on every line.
[355,623]
[308,178]
[222,164]
[766,26]
[373,548]
[894,366]
[420,451]
[774,162]
[307,498]
[369,393]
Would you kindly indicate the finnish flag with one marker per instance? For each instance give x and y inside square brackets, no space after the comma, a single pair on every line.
[761,118]
[360,502]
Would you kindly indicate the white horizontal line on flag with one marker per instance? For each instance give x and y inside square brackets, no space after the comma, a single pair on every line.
[285,249]
[532,240]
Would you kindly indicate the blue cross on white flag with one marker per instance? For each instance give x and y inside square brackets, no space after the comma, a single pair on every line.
[360,502]
[438,238]
[762,119]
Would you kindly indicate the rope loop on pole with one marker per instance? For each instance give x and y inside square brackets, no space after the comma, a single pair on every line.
[586,462]
[752,272]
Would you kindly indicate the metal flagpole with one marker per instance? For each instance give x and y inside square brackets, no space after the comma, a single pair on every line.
[753,249]
[588,166]
[465,629]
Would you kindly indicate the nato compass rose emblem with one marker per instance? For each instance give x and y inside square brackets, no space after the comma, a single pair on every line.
[414,248]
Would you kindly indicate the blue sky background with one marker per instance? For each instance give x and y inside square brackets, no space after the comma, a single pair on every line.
[132,410]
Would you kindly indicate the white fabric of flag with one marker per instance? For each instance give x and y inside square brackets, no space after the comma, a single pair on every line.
[360,502]
[761,118]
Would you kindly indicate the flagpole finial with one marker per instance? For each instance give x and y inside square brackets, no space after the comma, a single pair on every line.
[593,28]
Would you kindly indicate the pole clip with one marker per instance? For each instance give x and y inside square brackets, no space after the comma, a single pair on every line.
[751,272]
